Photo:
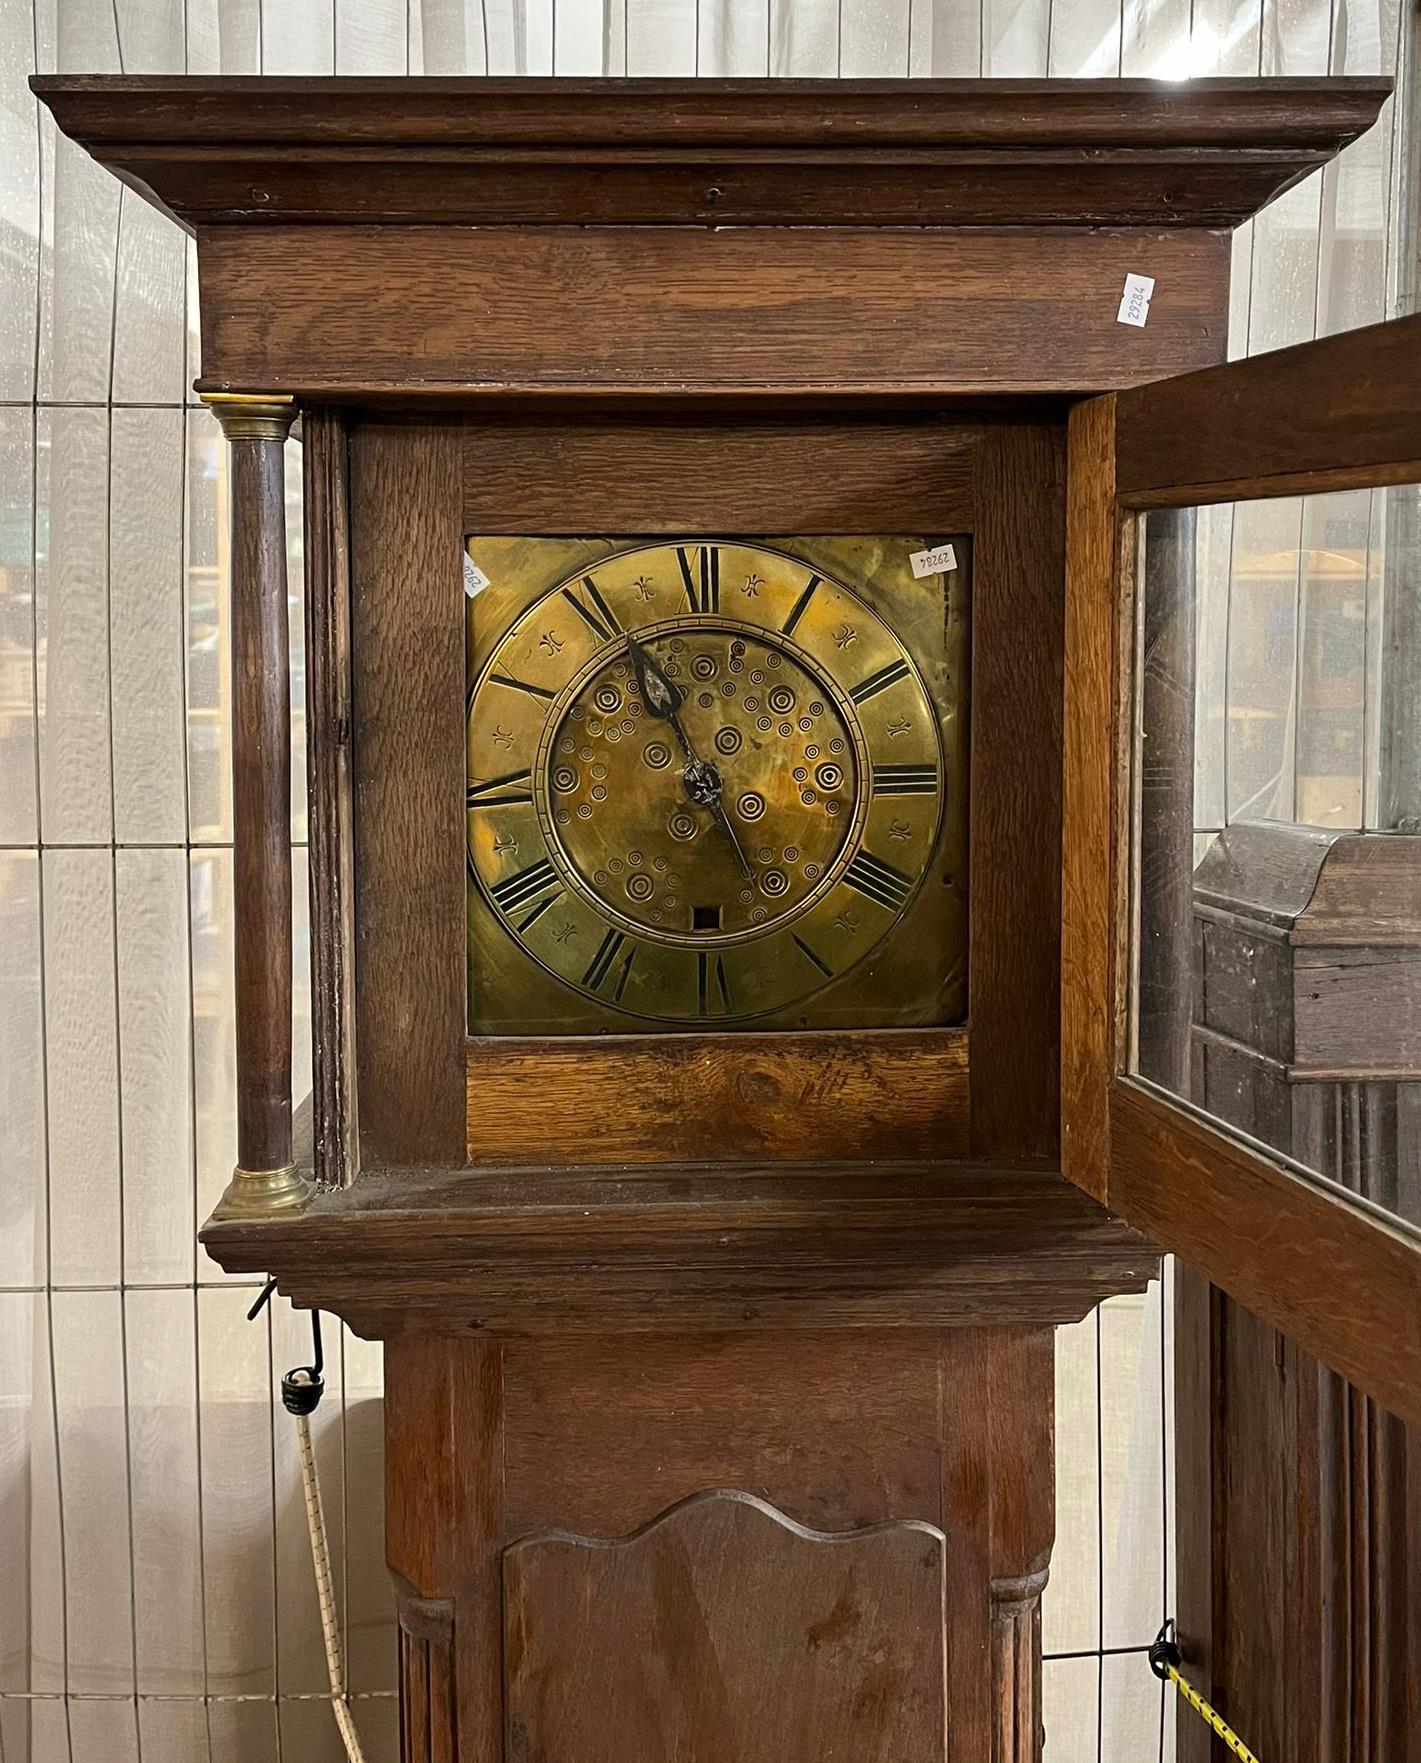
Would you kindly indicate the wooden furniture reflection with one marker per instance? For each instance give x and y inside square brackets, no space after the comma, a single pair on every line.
[1300,1588]
[732,1432]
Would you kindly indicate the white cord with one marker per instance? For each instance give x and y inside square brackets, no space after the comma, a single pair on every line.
[321,1561]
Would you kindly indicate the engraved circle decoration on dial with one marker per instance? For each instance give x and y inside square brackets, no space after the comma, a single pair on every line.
[705,781]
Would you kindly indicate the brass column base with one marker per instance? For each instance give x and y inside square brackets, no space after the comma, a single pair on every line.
[264,1193]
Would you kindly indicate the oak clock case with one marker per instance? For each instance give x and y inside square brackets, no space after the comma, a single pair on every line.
[716,783]
[714,1334]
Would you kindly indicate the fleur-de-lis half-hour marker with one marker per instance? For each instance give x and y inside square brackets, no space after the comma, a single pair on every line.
[845,635]
[550,642]
[847,923]
[501,737]
[899,830]
[899,726]
[506,843]
[753,584]
[562,933]
[644,590]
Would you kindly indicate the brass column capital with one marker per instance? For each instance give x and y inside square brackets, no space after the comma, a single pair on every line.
[253,416]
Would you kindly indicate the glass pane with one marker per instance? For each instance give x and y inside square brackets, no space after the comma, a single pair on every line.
[716,783]
[1276,982]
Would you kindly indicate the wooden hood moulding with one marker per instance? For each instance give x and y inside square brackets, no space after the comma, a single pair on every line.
[438,239]
[480,152]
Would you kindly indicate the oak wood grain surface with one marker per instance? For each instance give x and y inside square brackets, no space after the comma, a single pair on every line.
[261,805]
[494,1442]
[1344,1286]
[407,620]
[666,312]
[763,475]
[855,1246]
[1087,152]
[888,1093]
[718,1590]
[1014,951]
[329,735]
[1342,411]
[1087,919]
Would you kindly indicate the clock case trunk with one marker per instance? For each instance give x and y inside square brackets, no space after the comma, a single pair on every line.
[719,1368]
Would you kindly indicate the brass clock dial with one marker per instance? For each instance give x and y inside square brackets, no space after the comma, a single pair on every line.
[706,780]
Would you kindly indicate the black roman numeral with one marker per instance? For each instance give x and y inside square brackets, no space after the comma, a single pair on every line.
[703,585]
[880,681]
[520,685]
[798,612]
[498,792]
[707,1000]
[905,780]
[603,962]
[601,619]
[809,955]
[878,881]
[538,911]
[518,890]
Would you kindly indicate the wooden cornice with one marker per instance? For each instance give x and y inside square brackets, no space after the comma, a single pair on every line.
[669,1248]
[478,151]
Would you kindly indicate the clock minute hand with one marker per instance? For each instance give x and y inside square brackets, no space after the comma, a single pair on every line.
[718,810]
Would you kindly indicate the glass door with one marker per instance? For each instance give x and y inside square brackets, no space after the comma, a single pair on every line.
[1241,1035]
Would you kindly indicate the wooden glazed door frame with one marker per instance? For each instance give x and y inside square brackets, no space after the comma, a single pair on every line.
[1339,414]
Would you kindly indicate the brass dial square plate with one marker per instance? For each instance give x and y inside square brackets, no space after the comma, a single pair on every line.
[716,783]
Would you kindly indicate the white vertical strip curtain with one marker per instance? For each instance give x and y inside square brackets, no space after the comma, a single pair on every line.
[157,1598]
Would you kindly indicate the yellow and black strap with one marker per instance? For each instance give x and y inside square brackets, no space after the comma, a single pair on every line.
[1165,1662]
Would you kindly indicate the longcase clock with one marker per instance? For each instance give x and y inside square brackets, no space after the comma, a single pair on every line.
[686,482]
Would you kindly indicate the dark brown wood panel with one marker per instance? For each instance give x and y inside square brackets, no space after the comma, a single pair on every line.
[492,1444]
[1342,1285]
[885,1093]
[1341,411]
[261,804]
[647,1249]
[407,622]
[926,1427]
[756,1639]
[725,1411]
[444,1486]
[329,731]
[1020,1370]
[880,152]
[763,477]
[668,312]
[1088,743]
[1014,955]
[1310,114]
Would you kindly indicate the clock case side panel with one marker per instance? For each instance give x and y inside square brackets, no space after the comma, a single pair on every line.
[431,1097]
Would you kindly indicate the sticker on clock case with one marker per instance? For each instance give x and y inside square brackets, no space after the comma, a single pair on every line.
[934,562]
[475,581]
[1135,301]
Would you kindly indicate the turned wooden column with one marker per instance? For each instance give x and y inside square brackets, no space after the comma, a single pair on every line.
[265,1180]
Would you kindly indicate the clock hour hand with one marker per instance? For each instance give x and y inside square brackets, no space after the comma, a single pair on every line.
[662,698]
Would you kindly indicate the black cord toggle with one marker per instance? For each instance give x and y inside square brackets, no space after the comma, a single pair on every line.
[302,1388]
[1164,1653]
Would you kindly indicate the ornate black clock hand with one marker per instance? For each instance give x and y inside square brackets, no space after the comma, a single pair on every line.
[663,699]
